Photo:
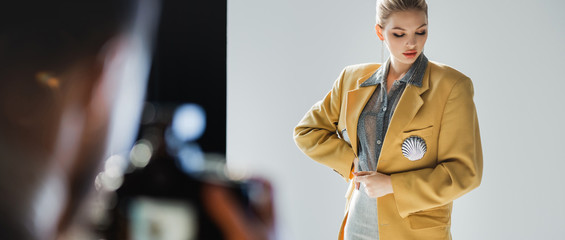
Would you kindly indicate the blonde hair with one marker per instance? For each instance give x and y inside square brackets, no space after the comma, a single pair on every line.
[387,7]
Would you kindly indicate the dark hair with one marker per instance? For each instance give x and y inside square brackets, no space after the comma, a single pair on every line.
[46,34]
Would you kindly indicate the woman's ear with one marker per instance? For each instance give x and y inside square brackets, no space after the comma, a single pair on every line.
[379,31]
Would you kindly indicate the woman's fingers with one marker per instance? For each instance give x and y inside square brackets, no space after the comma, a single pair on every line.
[376,184]
[361,177]
[363,173]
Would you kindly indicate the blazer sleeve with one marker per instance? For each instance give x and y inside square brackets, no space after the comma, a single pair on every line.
[316,133]
[460,160]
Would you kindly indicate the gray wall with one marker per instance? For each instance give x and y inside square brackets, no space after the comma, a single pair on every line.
[283,56]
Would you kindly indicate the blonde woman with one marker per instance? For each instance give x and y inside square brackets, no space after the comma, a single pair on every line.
[404,133]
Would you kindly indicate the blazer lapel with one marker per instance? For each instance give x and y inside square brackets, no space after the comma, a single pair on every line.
[356,101]
[408,105]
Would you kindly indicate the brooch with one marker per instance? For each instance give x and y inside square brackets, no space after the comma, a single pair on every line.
[414,148]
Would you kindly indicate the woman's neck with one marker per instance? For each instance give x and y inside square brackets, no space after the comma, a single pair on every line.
[397,70]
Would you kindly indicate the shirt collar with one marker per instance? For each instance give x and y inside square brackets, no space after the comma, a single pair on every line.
[414,76]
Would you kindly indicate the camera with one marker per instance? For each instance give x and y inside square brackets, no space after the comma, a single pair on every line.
[171,189]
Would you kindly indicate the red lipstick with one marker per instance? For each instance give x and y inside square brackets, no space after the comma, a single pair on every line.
[410,53]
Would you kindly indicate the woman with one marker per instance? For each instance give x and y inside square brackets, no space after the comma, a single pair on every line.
[406,134]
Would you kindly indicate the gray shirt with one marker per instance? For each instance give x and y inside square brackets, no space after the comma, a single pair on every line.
[375,117]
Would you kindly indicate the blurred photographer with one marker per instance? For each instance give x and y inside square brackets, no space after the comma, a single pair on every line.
[72,81]
[73,76]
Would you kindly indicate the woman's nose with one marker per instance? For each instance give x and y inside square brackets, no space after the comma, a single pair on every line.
[411,42]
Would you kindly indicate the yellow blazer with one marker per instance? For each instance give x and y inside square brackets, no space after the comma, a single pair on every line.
[441,112]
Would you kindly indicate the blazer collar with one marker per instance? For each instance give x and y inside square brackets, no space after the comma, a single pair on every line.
[413,76]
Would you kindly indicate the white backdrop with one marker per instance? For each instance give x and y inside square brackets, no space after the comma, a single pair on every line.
[283,56]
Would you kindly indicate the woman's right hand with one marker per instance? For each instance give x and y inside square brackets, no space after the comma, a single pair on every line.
[376,184]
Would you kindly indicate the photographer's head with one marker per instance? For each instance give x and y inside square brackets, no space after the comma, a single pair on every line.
[72,81]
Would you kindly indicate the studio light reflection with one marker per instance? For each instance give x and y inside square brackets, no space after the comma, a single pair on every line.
[141,153]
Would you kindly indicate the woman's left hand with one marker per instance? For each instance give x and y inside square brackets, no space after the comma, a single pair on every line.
[376,184]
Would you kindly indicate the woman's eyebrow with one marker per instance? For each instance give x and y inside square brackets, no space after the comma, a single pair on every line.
[399,28]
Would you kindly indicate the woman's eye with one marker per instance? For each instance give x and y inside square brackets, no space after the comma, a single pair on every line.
[421,33]
[398,35]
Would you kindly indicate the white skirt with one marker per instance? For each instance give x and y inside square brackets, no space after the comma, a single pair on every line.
[362,219]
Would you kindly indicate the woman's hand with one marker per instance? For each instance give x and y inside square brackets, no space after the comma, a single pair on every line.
[376,184]
[355,169]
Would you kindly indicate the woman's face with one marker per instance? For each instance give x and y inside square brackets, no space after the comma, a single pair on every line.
[405,34]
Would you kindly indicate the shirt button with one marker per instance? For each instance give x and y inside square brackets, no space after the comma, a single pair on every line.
[379,142]
[384,109]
